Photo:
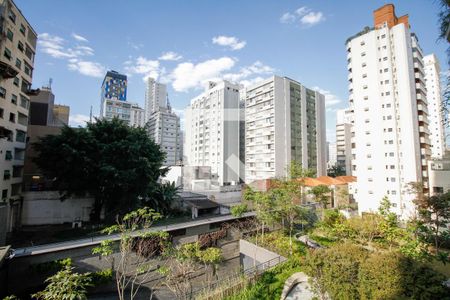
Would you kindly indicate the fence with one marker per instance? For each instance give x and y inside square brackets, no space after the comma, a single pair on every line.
[209,291]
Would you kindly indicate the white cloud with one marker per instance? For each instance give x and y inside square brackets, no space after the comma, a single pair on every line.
[55,47]
[303,15]
[87,68]
[79,37]
[229,41]
[135,46]
[143,66]
[330,98]
[188,75]
[312,18]
[244,74]
[170,56]
[78,120]
[287,18]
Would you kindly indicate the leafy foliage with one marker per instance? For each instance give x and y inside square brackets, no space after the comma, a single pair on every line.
[65,285]
[162,196]
[239,210]
[109,160]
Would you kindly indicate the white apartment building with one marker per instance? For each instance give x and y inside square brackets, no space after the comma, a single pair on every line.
[212,132]
[155,97]
[137,116]
[388,100]
[162,124]
[17,51]
[434,99]
[331,155]
[164,128]
[285,122]
[344,121]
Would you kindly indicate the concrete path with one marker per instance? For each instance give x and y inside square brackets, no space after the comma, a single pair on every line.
[46,248]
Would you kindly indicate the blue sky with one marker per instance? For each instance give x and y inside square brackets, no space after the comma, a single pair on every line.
[185,43]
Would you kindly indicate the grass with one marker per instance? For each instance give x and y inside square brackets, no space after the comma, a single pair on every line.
[270,284]
[279,243]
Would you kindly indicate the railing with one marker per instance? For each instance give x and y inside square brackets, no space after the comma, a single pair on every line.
[236,277]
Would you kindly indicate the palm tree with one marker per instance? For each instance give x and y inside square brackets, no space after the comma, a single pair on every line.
[162,198]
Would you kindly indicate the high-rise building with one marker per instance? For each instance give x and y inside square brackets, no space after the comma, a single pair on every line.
[212,132]
[61,114]
[17,50]
[285,122]
[331,155]
[137,116]
[155,97]
[435,111]
[162,123]
[390,146]
[344,120]
[114,97]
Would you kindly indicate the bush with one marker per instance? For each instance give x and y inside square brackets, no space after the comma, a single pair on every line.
[52,266]
[101,277]
[335,270]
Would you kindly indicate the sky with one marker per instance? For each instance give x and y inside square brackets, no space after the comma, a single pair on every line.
[186,43]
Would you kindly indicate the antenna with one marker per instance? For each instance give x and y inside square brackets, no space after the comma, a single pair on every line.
[90,115]
[50,81]
[168,103]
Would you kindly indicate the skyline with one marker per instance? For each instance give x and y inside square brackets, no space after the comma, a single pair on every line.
[193,45]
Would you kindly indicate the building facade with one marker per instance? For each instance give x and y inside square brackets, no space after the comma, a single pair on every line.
[155,97]
[162,124]
[344,121]
[137,116]
[390,146]
[434,99]
[212,132]
[17,50]
[331,155]
[285,122]
[114,97]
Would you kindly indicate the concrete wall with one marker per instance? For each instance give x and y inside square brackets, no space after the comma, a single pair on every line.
[252,255]
[44,207]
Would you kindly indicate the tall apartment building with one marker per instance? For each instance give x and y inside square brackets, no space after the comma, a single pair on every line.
[162,124]
[344,120]
[285,121]
[331,155]
[155,97]
[137,116]
[114,97]
[212,132]
[17,50]
[61,114]
[388,100]
[436,113]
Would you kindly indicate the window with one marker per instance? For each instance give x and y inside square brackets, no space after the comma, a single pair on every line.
[22,29]
[29,53]
[24,102]
[364,75]
[388,93]
[18,63]
[8,155]
[4,193]
[10,35]
[383,36]
[363,65]
[20,46]
[2,92]
[1,113]
[28,70]
[12,16]
[363,54]
[12,117]
[385,58]
[7,54]
[16,81]
[14,99]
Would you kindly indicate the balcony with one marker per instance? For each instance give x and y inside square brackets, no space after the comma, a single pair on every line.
[7,71]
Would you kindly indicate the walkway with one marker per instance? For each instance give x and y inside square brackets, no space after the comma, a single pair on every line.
[47,248]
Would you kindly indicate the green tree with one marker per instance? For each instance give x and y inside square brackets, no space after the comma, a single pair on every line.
[162,197]
[320,193]
[65,285]
[335,171]
[131,271]
[210,257]
[434,215]
[239,210]
[389,228]
[114,163]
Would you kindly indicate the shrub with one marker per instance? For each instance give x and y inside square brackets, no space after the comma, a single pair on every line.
[102,277]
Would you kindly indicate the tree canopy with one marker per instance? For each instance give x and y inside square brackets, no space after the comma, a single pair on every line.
[114,163]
